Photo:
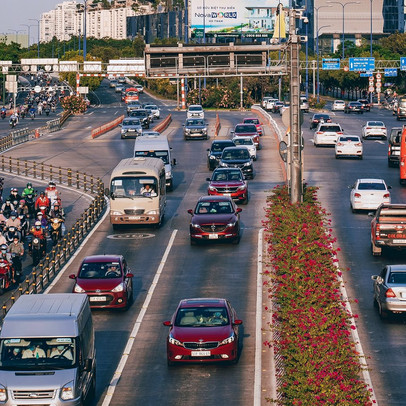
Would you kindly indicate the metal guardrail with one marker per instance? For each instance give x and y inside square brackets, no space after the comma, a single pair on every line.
[54,261]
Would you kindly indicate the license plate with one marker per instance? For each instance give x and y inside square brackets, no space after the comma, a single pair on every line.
[213,236]
[134,218]
[226,194]
[200,353]
[399,241]
[97,298]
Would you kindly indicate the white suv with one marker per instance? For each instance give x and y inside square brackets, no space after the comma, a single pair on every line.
[327,134]
[195,111]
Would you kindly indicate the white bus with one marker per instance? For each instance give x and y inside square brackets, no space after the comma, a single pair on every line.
[137,192]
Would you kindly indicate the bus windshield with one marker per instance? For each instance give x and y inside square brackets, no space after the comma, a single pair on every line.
[134,186]
[153,154]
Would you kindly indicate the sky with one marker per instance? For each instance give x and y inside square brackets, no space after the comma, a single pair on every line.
[13,13]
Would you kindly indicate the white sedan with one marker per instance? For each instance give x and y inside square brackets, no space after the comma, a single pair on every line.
[338,105]
[248,142]
[374,129]
[369,194]
[349,146]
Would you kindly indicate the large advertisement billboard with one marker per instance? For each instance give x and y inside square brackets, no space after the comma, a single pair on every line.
[248,18]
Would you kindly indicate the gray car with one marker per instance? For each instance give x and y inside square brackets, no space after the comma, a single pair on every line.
[390,290]
[133,105]
[131,128]
[154,108]
[195,128]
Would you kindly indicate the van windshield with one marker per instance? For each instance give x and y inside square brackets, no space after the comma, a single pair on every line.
[30,354]
[134,186]
[153,154]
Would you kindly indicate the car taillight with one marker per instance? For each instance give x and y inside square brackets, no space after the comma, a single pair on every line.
[368,128]
[357,195]
[390,293]
[358,144]
[339,144]
[386,195]
[320,132]
[340,133]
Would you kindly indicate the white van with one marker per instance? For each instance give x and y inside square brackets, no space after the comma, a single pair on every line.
[47,351]
[156,146]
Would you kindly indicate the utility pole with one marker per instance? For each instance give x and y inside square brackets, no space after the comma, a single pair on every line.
[295,141]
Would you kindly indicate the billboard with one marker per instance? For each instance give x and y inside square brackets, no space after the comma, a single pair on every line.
[247,18]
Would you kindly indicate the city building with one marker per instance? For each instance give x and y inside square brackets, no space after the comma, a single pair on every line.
[21,39]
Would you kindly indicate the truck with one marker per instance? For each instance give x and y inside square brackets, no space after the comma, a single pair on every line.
[388,228]
[394,146]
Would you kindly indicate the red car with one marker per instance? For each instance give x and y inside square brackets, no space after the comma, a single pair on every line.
[215,218]
[254,120]
[242,129]
[228,182]
[203,330]
[107,281]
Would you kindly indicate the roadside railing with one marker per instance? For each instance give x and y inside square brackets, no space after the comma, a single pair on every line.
[164,124]
[106,127]
[54,260]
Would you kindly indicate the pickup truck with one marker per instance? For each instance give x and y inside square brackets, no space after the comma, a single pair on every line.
[394,146]
[388,228]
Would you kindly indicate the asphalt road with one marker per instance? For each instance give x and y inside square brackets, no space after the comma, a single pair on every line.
[222,270]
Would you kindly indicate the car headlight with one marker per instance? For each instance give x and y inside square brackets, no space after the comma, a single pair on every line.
[168,174]
[78,289]
[67,391]
[116,213]
[119,287]
[195,225]
[247,164]
[212,157]
[152,212]
[231,224]
[223,163]
[187,130]
[123,131]
[3,393]
[174,341]
[204,130]
[228,340]
[212,188]
[242,187]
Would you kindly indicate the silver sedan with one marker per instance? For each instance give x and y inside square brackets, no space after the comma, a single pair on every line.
[390,290]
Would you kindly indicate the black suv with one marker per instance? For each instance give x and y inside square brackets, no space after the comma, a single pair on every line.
[215,151]
[354,107]
[142,115]
[394,146]
[238,157]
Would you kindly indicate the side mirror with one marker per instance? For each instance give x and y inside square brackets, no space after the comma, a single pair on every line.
[120,125]
[174,162]
[374,277]
[190,211]
[167,323]
[208,179]
[232,132]
[389,187]
[238,210]
[72,276]
[129,275]
[106,191]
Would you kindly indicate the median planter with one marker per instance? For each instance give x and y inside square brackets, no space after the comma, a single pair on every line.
[318,364]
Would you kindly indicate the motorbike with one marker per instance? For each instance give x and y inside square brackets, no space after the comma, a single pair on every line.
[47,111]
[3,114]
[18,267]
[6,279]
[56,229]
[32,115]
[30,202]
[37,250]
[13,122]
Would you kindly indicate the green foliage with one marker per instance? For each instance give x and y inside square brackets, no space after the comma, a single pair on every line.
[162,87]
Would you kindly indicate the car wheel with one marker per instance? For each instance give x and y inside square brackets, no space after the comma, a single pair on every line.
[375,250]
[236,240]
[361,157]
[116,226]
[245,201]
[337,156]
[382,313]
[169,363]
[390,164]
[352,209]
[193,242]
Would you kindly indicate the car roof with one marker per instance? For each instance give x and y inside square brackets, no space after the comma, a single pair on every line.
[375,121]
[221,169]
[236,148]
[215,199]
[103,258]
[397,268]
[222,142]
[193,302]
[321,115]
[370,180]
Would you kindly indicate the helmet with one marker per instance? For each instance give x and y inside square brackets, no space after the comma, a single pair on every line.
[37,224]
[22,201]
[42,193]
[13,213]
[13,189]
[39,213]
[51,184]
[3,247]
[29,184]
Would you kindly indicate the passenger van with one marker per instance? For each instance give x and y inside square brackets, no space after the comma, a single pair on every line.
[137,192]
[156,146]
[47,351]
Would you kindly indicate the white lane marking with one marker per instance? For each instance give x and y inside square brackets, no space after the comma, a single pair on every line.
[258,322]
[57,277]
[127,350]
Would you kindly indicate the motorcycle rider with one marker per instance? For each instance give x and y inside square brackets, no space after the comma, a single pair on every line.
[3,112]
[38,232]
[57,213]
[14,195]
[13,119]
[43,219]
[28,190]
[32,112]
[3,219]
[22,208]
[24,224]
[5,258]
[7,208]
[10,233]
[42,200]
[16,249]
[52,193]
[13,220]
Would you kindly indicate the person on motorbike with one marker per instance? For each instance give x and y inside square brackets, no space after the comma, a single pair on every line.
[22,208]
[3,112]
[57,212]
[13,119]
[52,193]
[32,112]
[7,208]
[38,232]
[43,219]
[16,250]
[13,220]
[10,233]
[5,258]
[2,239]
[3,219]
[14,195]
[24,224]
[39,107]
[42,200]
[28,190]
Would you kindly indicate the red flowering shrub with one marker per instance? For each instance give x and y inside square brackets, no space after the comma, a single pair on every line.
[75,104]
[311,325]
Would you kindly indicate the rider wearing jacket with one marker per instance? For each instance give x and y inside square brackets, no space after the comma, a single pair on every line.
[28,190]
[42,200]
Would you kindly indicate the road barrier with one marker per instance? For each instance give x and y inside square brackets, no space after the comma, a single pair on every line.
[54,260]
[106,127]
[217,126]
[162,126]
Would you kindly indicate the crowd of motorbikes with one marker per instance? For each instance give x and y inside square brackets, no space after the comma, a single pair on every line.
[27,221]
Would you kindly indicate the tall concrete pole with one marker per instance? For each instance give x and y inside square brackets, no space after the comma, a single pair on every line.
[296,183]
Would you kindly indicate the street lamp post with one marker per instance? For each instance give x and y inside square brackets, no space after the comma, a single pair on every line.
[38,21]
[343,6]
[318,69]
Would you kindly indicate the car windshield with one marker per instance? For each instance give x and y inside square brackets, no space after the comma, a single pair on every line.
[354,139]
[30,354]
[194,122]
[223,175]
[375,124]
[153,154]
[243,141]
[133,187]
[131,122]
[131,93]
[202,317]
[195,108]
[240,153]
[214,208]
[151,106]
[397,278]
[371,186]
[245,128]
[251,121]
[339,102]
[100,270]
[330,128]
[319,116]
[139,113]
[218,147]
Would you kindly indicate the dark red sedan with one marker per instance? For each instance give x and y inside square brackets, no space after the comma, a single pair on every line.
[254,120]
[107,281]
[215,218]
[203,330]
[228,182]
